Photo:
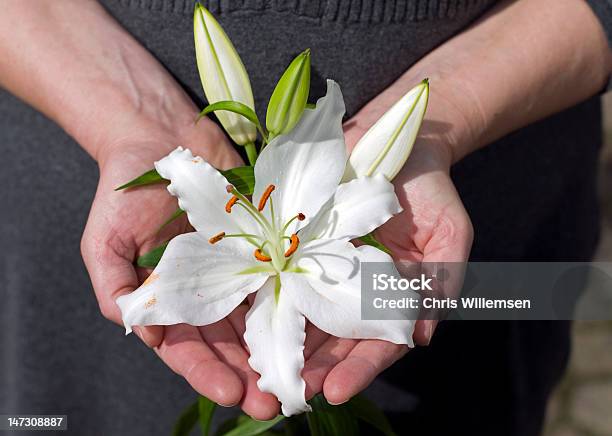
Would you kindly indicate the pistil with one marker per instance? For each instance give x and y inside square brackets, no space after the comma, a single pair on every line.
[300,217]
[271,238]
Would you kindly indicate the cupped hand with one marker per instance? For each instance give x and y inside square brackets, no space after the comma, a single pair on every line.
[433,227]
[123,225]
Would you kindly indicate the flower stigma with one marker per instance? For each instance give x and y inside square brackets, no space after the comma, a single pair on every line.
[271,243]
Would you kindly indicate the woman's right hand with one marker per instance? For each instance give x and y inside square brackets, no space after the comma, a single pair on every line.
[123,225]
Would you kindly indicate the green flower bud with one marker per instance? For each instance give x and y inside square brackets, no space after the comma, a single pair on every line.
[290,96]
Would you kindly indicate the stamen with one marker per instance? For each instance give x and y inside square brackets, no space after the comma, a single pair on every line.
[229,188]
[248,206]
[264,197]
[259,255]
[295,241]
[300,217]
[217,238]
[232,201]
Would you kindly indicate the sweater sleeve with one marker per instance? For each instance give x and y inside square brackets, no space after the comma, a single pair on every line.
[603,10]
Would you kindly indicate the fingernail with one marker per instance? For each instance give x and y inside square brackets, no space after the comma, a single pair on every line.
[336,404]
[430,332]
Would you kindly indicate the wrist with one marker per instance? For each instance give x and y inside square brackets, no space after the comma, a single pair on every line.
[148,133]
[454,122]
[123,119]
[100,85]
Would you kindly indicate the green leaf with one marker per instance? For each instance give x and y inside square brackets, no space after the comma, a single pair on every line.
[230,424]
[243,179]
[370,239]
[292,425]
[148,178]
[151,259]
[328,420]
[369,412]
[290,96]
[247,426]
[235,107]
[206,409]
[311,105]
[186,421]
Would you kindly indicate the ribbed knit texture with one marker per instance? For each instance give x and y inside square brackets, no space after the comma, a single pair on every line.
[390,11]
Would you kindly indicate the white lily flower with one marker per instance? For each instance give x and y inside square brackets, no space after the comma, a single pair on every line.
[222,74]
[386,146]
[291,244]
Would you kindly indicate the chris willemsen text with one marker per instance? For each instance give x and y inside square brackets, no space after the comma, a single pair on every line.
[385,282]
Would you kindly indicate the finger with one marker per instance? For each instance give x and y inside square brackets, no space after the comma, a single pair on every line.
[424,330]
[315,337]
[238,321]
[109,263]
[444,258]
[364,362]
[222,338]
[186,353]
[112,274]
[323,360]
[151,335]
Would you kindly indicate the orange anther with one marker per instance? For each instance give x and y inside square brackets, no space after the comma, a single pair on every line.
[217,238]
[295,241]
[259,255]
[229,188]
[264,197]
[301,216]
[232,201]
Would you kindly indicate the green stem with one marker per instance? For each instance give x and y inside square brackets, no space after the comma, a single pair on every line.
[251,153]
[262,132]
[267,140]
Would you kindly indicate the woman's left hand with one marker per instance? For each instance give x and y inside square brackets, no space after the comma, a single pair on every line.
[434,227]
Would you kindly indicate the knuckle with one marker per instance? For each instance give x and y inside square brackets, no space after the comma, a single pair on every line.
[466,228]
[106,309]
[456,230]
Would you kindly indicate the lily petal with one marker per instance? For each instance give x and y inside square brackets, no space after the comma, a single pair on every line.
[356,208]
[194,283]
[306,164]
[275,336]
[329,292]
[201,192]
